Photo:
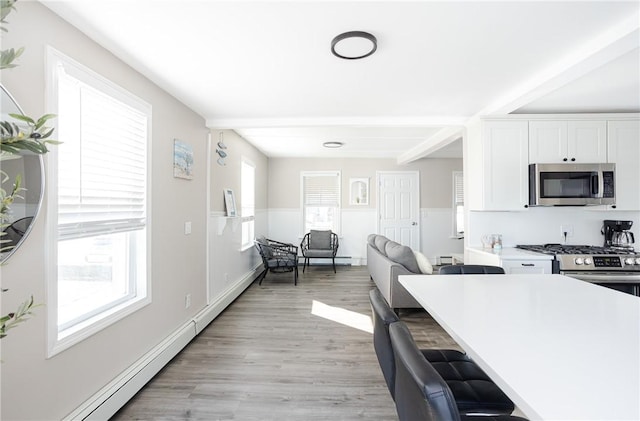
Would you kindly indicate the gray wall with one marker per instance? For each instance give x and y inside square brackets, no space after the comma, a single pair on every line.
[34,387]
[435,178]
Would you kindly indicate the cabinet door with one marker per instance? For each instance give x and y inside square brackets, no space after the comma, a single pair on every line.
[526,266]
[624,151]
[505,165]
[587,141]
[547,142]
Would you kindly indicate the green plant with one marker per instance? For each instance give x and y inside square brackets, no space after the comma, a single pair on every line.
[22,314]
[32,135]
[15,139]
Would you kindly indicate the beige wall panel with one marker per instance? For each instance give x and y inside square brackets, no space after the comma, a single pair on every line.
[61,383]
[435,178]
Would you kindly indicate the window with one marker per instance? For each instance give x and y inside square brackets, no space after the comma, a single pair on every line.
[98,196]
[321,200]
[247,202]
[458,204]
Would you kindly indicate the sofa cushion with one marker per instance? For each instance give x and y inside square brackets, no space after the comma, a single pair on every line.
[381,241]
[403,255]
[423,263]
[371,239]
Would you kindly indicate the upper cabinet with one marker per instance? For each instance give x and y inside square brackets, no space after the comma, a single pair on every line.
[499,150]
[498,158]
[623,149]
[560,141]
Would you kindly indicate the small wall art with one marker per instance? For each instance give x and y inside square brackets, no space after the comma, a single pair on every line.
[230,202]
[182,160]
[359,191]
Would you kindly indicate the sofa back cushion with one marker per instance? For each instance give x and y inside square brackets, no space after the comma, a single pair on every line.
[371,240]
[403,255]
[381,241]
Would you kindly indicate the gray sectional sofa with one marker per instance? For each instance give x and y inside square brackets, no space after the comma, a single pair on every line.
[386,260]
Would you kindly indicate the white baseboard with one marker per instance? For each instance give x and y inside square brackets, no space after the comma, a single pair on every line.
[108,400]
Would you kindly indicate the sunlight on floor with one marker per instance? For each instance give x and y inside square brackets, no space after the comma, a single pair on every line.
[343,316]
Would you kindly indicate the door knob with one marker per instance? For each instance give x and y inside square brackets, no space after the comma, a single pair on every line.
[414,223]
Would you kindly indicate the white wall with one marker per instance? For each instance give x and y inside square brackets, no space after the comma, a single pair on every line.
[35,387]
[541,225]
[357,224]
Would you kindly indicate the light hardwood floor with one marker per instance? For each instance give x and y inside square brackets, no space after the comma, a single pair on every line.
[269,357]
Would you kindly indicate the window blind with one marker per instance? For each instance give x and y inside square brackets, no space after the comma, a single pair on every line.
[102,163]
[321,189]
[458,188]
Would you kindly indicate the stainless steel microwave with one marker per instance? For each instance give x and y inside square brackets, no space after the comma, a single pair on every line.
[571,184]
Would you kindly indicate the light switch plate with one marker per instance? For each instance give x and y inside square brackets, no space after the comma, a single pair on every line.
[187,228]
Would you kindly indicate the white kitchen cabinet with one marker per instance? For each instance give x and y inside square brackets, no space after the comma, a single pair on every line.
[526,266]
[624,150]
[500,155]
[512,260]
[573,141]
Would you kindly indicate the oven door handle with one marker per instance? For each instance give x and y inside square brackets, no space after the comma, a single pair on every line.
[604,278]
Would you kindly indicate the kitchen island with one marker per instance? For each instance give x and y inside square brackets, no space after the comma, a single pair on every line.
[560,348]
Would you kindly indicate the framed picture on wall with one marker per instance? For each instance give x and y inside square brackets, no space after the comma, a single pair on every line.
[182,160]
[359,191]
[230,202]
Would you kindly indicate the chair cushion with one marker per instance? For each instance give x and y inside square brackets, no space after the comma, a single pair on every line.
[318,253]
[473,389]
[423,263]
[381,241]
[266,250]
[320,240]
[403,255]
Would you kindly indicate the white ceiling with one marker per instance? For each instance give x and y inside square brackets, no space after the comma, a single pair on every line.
[264,68]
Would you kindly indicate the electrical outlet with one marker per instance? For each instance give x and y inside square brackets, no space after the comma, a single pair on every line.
[187,301]
[568,229]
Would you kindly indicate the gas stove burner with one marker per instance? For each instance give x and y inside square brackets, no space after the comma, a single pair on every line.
[555,249]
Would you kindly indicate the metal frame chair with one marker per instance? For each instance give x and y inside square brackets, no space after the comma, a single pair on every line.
[312,250]
[277,257]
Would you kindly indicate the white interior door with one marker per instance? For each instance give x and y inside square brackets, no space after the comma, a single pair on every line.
[399,207]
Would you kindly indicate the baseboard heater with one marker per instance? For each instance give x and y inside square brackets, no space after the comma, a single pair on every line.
[108,400]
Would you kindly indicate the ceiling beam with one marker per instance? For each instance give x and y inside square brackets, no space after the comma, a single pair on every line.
[248,123]
[599,51]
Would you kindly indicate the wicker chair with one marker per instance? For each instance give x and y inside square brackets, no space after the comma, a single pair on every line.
[319,245]
[277,257]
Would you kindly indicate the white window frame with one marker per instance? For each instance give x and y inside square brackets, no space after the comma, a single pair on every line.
[337,222]
[247,210]
[457,194]
[58,341]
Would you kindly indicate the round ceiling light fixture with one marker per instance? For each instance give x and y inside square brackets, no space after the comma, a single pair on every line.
[354,45]
[333,145]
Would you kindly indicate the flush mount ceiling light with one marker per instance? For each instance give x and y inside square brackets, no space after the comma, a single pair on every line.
[333,144]
[354,45]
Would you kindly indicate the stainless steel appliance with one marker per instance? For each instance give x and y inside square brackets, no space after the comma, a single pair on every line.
[612,267]
[617,234]
[571,184]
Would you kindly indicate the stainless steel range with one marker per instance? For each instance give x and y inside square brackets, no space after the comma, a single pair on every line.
[614,267]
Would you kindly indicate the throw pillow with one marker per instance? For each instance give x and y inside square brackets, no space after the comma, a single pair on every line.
[320,240]
[403,255]
[423,263]
[381,241]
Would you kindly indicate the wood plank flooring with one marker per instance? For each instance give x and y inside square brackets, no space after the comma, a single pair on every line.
[268,357]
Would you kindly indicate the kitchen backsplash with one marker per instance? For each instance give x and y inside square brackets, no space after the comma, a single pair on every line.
[541,225]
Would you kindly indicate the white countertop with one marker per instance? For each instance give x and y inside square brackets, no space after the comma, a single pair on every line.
[560,348]
[512,253]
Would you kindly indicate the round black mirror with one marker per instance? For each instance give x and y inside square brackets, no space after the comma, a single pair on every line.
[22,189]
